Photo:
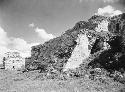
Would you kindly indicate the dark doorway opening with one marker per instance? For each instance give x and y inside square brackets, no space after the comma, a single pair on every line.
[13,67]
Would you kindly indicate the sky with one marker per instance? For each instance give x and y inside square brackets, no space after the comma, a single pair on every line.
[24,23]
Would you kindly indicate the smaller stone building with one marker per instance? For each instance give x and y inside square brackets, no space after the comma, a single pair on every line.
[13,61]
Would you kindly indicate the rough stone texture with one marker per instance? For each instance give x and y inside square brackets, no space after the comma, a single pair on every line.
[113,58]
[80,52]
[103,39]
[103,26]
[55,52]
[13,61]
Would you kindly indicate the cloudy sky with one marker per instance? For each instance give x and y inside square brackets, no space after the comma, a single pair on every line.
[24,23]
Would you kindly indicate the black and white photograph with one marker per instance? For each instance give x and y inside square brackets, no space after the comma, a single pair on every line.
[62,45]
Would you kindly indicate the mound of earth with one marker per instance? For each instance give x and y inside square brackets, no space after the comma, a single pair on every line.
[96,43]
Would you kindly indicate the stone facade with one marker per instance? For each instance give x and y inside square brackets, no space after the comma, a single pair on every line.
[13,61]
[80,52]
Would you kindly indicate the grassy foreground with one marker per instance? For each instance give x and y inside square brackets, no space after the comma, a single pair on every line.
[33,82]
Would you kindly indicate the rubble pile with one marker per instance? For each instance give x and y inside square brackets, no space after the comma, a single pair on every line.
[96,43]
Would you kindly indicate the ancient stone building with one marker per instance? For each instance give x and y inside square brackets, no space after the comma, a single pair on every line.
[13,61]
[98,42]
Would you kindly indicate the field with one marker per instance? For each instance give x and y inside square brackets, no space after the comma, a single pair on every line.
[12,81]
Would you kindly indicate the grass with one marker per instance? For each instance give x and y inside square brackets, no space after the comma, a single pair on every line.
[33,82]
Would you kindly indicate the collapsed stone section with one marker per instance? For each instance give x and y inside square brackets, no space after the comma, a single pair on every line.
[102,38]
[80,52]
[64,49]
[55,52]
[102,26]
[113,58]
[117,26]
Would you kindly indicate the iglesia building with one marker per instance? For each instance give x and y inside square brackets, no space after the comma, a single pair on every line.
[13,61]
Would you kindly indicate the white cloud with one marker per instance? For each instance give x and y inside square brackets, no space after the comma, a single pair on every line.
[3,42]
[43,34]
[32,25]
[19,44]
[22,46]
[3,37]
[108,11]
[109,1]
[104,1]
[10,44]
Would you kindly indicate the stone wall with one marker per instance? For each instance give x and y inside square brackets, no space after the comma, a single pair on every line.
[98,42]
[13,61]
[80,52]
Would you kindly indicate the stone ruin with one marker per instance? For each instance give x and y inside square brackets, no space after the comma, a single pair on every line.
[13,61]
[96,43]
